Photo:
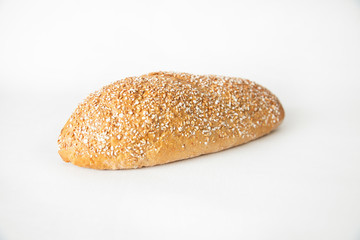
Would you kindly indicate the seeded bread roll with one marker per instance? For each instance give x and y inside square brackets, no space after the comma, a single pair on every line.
[163,117]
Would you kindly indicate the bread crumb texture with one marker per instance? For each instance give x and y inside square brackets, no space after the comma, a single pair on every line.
[163,117]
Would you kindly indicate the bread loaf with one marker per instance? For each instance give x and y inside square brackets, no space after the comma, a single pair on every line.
[163,117]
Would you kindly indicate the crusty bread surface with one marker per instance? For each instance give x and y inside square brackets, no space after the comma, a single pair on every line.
[163,117]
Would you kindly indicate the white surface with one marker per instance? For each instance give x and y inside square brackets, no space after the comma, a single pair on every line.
[300,182]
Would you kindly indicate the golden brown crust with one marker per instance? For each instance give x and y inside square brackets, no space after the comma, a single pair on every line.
[163,117]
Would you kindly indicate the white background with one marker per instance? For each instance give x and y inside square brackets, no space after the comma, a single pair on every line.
[300,182]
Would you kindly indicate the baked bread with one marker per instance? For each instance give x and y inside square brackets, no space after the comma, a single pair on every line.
[163,117]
